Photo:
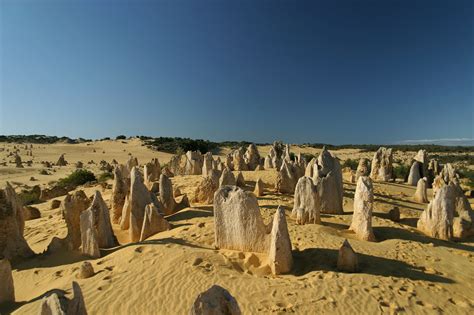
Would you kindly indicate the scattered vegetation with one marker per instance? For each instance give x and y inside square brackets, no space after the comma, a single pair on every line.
[453,158]
[76,178]
[41,139]
[105,176]
[469,175]
[30,197]
[401,171]
[120,137]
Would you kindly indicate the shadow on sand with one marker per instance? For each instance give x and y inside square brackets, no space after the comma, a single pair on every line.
[313,259]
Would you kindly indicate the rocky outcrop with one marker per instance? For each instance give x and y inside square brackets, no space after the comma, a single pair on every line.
[415,173]
[31,213]
[239,226]
[347,259]
[327,176]
[238,161]
[252,157]
[152,171]
[153,222]
[227,178]
[363,168]
[71,208]
[215,301]
[259,188]
[7,289]
[208,163]
[61,161]
[363,203]
[239,180]
[279,256]
[136,201]
[170,205]
[96,229]
[119,193]
[382,169]
[194,161]
[205,191]
[286,179]
[306,202]
[437,219]
[55,304]
[12,224]
[18,163]
[420,195]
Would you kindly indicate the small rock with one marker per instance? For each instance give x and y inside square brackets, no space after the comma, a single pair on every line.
[55,204]
[85,270]
[394,214]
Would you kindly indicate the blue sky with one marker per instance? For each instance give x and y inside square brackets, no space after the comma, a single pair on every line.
[298,71]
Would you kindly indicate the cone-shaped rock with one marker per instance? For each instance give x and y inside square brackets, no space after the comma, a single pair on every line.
[205,191]
[347,259]
[170,205]
[363,168]
[119,193]
[153,222]
[415,175]
[382,169]
[259,188]
[279,256]
[239,180]
[71,208]
[7,289]
[286,179]
[227,178]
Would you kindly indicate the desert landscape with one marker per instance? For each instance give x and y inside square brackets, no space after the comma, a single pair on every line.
[267,228]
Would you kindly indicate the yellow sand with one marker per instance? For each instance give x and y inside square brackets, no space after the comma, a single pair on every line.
[404,272]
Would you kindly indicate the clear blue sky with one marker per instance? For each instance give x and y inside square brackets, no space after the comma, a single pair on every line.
[299,71]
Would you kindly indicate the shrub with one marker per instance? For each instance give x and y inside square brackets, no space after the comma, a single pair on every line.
[401,171]
[105,176]
[352,164]
[121,137]
[469,174]
[76,178]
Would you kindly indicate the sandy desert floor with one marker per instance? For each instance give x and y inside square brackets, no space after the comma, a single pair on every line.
[403,272]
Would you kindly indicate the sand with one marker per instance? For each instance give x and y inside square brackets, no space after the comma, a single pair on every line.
[404,272]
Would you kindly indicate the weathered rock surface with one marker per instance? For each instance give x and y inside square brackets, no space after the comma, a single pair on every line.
[7,289]
[227,178]
[205,191]
[286,179]
[71,209]
[215,301]
[415,173]
[363,168]
[119,193]
[12,224]
[421,195]
[306,202]
[31,213]
[55,304]
[61,161]
[152,171]
[239,180]
[382,169]
[280,257]
[136,201]
[153,222]
[86,270]
[252,157]
[170,205]
[363,203]
[437,219]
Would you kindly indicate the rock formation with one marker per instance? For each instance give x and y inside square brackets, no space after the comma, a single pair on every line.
[96,229]
[119,193]
[309,170]
[415,173]
[86,270]
[215,301]
[71,209]
[327,176]
[420,195]
[306,202]
[259,188]
[170,205]
[136,201]
[286,179]
[280,257]
[7,289]
[347,259]
[382,169]
[152,171]
[12,224]
[208,162]
[18,161]
[55,304]
[205,191]
[174,166]
[153,222]
[437,219]
[240,181]
[227,178]
[363,202]
[363,168]
[193,166]
[238,161]
[239,226]
[61,161]
[252,157]
[31,213]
